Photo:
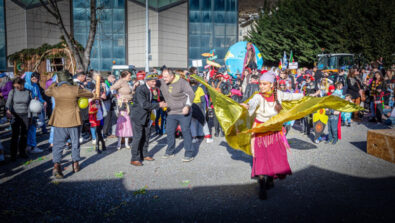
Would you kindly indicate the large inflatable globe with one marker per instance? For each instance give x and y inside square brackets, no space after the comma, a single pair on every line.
[234,58]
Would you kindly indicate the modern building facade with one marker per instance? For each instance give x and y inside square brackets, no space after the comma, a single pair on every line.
[180,30]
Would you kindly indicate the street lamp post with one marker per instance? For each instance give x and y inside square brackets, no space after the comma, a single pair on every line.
[146,36]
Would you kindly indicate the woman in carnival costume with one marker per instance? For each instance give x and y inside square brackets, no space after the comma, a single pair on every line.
[269,149]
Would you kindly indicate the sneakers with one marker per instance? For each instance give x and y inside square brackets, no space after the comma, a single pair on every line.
[317,141]
[195,140]
[81,139]
[36,150]
[167,156]
[209,140]
[187,159]
[94,142]
[127,147]
[118,148]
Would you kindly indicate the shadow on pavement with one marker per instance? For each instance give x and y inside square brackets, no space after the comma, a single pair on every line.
[309,195]
[295,143]
[360,145]
[237,154]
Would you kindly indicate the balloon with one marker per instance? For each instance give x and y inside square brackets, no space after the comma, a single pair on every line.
[83,103]
[234,58]
[35,106]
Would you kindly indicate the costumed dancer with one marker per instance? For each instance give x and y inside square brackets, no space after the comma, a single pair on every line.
[269,149]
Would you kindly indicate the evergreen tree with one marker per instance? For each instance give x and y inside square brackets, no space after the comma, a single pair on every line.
[362,27]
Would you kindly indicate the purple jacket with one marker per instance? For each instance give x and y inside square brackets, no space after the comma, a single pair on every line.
[6,89]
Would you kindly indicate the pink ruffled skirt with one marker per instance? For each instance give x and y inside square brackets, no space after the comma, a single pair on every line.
[270,155]
[124,125]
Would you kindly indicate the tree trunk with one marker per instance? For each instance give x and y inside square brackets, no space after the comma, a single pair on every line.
[82,59]
[91,37]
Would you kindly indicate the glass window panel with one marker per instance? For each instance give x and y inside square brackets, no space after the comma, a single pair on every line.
[110,37]
[205,5]
[105,3]
[118,27]
[205,41]
[194,28]
[119,52]
[219,29]
[194,16]
[219,17]
[219,5]
[194,41]
[231,29]
[207,28]
[231,5]
[106,64]
[219,42]
[194,4]
[119,4]
[206,16]
[118,15]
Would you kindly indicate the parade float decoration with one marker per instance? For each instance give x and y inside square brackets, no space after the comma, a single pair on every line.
[46,60]
[241,55]
[211,57]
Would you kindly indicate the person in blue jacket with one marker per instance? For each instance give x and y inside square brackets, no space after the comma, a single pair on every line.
[31,80]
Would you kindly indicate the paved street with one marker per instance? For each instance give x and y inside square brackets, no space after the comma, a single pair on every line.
[329,184]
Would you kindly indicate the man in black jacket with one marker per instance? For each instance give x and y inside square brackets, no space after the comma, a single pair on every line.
[140,116]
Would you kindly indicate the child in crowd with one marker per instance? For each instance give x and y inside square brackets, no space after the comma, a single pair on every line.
[124,125]
[346,116]
[96,116]
[339,90]
[333,121]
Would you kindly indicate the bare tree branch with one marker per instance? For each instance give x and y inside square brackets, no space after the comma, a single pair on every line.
[82,58]
[48,9]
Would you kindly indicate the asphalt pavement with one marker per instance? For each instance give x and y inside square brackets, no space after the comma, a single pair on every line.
[330,183]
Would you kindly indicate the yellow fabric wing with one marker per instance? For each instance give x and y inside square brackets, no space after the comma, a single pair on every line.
[236,122]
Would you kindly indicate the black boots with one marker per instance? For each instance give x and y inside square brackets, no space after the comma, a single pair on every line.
[262,188]
[103,147]
[97,149]
[269,182]
[265,183]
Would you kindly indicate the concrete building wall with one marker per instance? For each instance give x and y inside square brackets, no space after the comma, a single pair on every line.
[173,36]
[243,31]
[136,35]
[38,29]
[16,27]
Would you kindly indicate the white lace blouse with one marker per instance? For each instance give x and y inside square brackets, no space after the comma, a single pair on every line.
[265,110]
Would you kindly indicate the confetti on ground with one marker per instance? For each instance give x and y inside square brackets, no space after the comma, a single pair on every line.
[119,174]
[141,191]
[55,182]
[185,183]
[28,162]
